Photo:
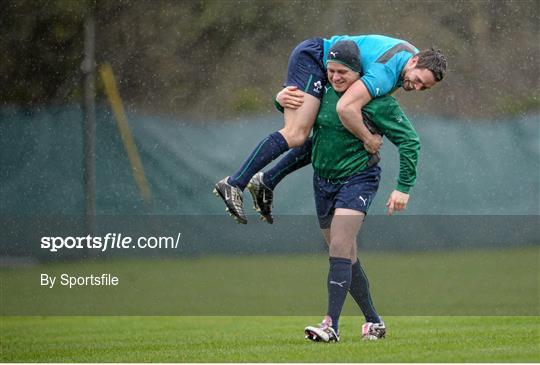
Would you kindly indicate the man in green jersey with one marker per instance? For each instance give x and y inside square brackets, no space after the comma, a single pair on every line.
[345,185]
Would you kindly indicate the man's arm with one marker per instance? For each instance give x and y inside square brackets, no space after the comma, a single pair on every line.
[407,141]
[390,119]
[349,109]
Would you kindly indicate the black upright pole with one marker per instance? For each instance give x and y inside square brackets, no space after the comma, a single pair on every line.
[88,68]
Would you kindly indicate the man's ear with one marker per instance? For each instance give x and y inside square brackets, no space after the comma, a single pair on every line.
[414,61]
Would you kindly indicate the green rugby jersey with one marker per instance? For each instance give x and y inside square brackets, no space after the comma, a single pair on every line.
[338,154]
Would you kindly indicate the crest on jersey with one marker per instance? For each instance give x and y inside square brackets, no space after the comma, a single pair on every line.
[317,86]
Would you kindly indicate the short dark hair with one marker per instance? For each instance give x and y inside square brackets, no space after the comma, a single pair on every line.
[434,61]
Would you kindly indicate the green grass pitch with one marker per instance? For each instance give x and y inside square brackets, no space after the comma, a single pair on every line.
[265,339]
[447,306]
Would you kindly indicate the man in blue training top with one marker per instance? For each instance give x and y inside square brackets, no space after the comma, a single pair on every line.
[387,64]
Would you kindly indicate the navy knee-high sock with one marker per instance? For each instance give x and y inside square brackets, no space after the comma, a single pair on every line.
[265,152]
[294,160]
[359,290]
[339,281]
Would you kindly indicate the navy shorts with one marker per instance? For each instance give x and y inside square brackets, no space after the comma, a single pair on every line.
[355,192]
[306,70]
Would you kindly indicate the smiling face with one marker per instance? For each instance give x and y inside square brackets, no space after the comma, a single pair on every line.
[417,79]
[340,76]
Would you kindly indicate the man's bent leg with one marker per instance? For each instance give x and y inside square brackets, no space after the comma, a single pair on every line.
[305,71]
[298,122]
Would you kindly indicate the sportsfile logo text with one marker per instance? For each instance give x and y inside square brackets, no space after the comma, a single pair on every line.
[109,241]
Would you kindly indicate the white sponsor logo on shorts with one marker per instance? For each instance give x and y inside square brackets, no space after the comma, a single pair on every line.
[362,199]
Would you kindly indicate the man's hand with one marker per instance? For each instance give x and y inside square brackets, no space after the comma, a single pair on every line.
[290,97]
[397,202]
[373,144]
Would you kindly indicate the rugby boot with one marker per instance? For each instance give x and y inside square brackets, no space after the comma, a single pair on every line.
[373,331]
[262,197]
[232,197]
[322,333]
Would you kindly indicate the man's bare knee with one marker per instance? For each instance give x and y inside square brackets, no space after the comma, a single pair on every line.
[340,248]
[294,138]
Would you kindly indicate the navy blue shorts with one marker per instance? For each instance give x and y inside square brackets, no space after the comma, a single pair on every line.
[355,192]
[306,70]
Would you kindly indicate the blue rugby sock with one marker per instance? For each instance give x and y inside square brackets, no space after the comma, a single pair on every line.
[294,160]
[265,152]
[339,281]
[360,292]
